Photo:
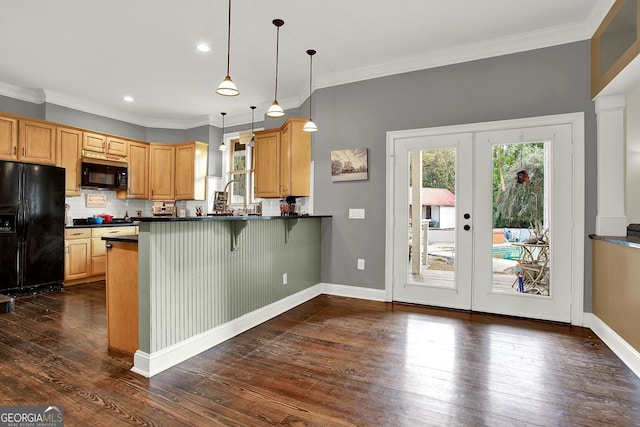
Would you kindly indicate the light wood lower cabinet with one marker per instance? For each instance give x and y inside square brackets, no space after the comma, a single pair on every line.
[77,251]
[122,296]
[85,253]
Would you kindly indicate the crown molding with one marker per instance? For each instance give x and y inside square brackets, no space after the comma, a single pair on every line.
[35,96]
[470,52]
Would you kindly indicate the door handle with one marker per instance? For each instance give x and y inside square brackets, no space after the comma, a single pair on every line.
[467,216]
[467,227]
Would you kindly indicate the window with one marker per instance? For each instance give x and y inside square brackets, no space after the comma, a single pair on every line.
[240,168]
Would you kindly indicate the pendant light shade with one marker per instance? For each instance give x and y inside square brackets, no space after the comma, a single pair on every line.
[252,140]
[222,146]
[310,126]
[276,110]
[227,87]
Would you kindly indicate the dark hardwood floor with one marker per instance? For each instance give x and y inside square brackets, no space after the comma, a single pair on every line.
[329,362]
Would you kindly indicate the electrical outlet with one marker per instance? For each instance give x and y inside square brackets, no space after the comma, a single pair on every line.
[284,279]
[356,213]
[360,264]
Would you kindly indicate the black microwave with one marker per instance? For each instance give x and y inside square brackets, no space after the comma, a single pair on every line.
[96,175]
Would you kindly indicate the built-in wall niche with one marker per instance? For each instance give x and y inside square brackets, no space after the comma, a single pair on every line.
[615,44]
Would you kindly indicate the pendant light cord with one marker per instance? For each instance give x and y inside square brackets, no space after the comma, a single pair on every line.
[310,74]
[229,39]
[277,59]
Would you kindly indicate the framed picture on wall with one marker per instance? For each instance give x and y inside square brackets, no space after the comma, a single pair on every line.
[349,165]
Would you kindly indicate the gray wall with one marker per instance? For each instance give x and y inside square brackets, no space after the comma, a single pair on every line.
[23,108]
[536,83]
[68,116]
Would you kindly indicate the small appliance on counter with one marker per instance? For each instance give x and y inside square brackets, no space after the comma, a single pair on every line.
[288,206]
[164,208]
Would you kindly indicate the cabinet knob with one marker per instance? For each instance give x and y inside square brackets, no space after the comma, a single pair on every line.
[15,150]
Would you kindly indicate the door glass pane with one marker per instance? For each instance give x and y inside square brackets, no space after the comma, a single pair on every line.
[432,217]
[520,246]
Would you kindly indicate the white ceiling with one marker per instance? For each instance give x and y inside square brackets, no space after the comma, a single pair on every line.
[88,54]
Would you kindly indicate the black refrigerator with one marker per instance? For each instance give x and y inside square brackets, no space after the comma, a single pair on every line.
[31,228]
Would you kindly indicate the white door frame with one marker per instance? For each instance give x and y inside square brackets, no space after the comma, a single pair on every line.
[576,120]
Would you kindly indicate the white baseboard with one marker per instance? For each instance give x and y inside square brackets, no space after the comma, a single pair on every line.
[629,355]
[353,292]
[149,365]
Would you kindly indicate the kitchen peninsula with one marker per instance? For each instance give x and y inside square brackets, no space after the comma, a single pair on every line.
[203,280]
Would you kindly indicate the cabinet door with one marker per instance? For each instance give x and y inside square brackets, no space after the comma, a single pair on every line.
[267,164]
[299,159]
[185,155]
[285,160]
[94,142]
[162,173]
[37,142]
[138,155]
[8,138]
[76,258]
[116,146]
[68,156]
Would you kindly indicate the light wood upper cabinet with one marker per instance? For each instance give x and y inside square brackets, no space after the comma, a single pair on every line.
[283,161]
[266,153]
[192,162]
[69,145]
[117,146]
[37,142]
[162,171]
[100,143]
[138,186]
[8,138]
[94,142]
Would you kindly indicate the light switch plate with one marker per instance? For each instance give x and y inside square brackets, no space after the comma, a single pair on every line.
[356,213]
[360,264]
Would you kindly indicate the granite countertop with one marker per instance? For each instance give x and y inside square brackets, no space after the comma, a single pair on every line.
[111,224]
[132,238]
[630,241]
[223,218]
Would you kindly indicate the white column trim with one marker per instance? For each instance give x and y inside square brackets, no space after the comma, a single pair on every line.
[611,219]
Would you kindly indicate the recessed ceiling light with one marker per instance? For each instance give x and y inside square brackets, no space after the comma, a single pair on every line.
[128,98]
[203,47]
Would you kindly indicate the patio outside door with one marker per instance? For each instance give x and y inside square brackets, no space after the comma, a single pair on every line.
[489,225]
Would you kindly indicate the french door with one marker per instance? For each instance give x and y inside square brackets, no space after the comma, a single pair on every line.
[484,220]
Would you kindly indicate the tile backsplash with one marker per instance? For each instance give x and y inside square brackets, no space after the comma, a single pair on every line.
[118,207]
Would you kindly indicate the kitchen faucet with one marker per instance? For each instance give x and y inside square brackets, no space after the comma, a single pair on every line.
[226,203]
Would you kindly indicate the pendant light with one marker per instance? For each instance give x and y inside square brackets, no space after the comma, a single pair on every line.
[276,110]
[227,87]
[310,126]
[222,146]
[252,140]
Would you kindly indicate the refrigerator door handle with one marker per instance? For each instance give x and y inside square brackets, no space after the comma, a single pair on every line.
[25,214]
